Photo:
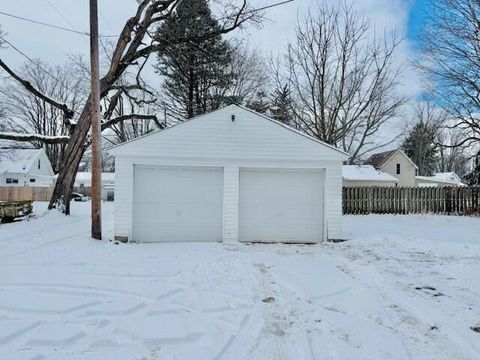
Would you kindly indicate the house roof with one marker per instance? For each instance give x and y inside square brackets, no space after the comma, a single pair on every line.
[18,161]
[448,176]
[87,176]
[199,117]
[379,159]
[444,178]
[365,173]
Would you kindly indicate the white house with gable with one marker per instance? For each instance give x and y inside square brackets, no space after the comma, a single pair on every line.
[25,167]
[397,164]
[230,175]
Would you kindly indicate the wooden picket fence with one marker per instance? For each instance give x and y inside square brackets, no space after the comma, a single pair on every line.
[34,193]
[25,193]
[412,200]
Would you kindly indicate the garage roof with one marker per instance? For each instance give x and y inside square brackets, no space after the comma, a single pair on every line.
[365,173]
[215,128]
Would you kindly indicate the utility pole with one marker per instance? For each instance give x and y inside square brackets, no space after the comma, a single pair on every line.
[95,119]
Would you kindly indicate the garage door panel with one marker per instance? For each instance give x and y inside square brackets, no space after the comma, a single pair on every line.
[178,204]
[193,215]
[281,205]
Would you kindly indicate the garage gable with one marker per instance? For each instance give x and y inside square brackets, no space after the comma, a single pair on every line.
[232,132]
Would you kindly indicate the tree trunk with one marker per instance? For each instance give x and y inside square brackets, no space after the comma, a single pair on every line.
[73,155]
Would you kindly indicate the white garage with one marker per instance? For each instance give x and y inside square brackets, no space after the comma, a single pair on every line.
[230,175]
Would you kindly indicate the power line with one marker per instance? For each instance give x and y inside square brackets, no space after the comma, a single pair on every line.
[255,10]
[269,6]
[61,14]
[105,21]
[51,25]
[28,58]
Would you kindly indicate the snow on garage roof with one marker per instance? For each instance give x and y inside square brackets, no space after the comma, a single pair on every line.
[449,176]
[18,161]
[365,173]
[86,175]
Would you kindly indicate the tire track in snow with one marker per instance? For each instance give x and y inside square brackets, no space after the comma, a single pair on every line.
[37,247]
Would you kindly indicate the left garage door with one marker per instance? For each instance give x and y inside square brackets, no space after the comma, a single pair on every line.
[177,204]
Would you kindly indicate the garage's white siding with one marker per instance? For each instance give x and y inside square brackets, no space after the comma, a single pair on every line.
[216,136]
[333,202]
[123,198]
[215,140]
[230,203]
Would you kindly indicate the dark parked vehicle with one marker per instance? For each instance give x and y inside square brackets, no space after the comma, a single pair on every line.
[78,197]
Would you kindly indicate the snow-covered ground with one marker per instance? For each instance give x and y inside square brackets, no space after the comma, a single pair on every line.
[403,287]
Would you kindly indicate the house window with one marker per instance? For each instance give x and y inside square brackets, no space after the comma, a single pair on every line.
[38,164]
[32,180]
[12,181]
[398,169]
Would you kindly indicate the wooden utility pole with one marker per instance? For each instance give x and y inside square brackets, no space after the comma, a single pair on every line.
[96,126]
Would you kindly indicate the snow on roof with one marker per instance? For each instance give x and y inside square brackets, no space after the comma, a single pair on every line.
[18,161]
[446,178]
[365,173]
[87,176]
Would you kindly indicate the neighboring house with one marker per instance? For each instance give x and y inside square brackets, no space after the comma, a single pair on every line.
[25,167]
[230,175]
[366,175]
[397,164]
[440,179]
[84,180]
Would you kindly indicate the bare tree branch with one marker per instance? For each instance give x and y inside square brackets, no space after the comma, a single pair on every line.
[34,137]
[63,107]
[122,118]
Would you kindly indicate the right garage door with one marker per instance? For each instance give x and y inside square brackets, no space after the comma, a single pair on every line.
[281,205]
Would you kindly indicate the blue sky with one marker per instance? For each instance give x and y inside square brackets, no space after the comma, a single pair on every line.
[416,18]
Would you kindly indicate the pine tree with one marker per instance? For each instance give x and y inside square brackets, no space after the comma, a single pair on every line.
[473,178]
[420,147]
[282,105]
[259,103]
[194,73]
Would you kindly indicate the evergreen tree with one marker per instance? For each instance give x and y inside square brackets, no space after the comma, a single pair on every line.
[282,105]
[195,73]
[420,147]
[259,103]
[473,178]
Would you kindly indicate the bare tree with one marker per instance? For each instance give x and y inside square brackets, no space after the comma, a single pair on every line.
[342,77]
[28,113]
[420,142]
[129,111]
[133,47]
[451,59]
[249,74]
[451,156]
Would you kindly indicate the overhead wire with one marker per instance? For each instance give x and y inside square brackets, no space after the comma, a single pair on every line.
[85,33]
[36,63]
[61,15]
